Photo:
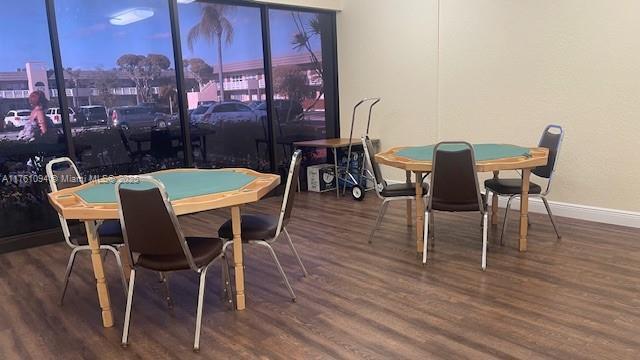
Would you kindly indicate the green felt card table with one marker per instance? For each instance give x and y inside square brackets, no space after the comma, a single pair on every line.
[489,158]
[189,190]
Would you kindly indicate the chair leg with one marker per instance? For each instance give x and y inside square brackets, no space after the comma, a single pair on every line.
[277,262]
[196,341]
[123,278]
[506,219]
[127,314]
[425,238]
[553,222]
[485,220]
[381,213]
[295,252]
[67,273]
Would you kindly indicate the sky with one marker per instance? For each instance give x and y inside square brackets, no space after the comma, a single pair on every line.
[89,41]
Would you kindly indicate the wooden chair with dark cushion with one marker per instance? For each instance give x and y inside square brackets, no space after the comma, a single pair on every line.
[62,173]
[265,230]
[551,139]
[454,188]
[387,192]
[156,242]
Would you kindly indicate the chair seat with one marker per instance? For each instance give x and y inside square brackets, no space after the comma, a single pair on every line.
[403,189]
[510,186]
[203,249]
[455,207]
[254,227]
[110,234]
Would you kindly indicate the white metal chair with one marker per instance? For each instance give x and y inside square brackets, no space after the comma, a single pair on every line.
[265,230]
[156,242]
[454,188]
[62,173]
[387,192]
[511,187]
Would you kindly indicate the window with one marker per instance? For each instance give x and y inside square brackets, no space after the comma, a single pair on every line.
[236,135]
[120,86]
[122,60]
[303,80]
[26,144]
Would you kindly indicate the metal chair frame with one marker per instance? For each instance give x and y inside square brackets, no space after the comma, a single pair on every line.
[202,271]
[481,205]
[114,249]
[543,195]
[379,186]
[279,230]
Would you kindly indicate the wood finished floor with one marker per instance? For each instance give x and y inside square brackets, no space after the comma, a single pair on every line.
[578,298]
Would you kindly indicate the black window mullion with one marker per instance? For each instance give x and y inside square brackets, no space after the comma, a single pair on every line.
[268,76]
[180,88]
[59,74]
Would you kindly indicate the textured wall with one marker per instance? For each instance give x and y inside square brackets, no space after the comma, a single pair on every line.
[499,71]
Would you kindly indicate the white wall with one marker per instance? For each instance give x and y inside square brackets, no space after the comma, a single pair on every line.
[498,71]
[373,38]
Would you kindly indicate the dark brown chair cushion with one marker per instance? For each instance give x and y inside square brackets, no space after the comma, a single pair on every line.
[203,249]
[510,186]
[403,189]
[254,227]
[450,206]
[110,233]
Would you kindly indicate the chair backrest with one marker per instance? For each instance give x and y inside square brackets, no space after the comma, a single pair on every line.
[552,141]
[62,174]
[454,180]
[290,190]
[149,224]
[369,154]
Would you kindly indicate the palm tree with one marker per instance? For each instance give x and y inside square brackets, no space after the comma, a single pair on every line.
[213,27]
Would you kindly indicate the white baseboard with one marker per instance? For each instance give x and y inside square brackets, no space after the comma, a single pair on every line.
[576,211]
[582,212]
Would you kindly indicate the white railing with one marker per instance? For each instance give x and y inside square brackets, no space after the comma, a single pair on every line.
[14,94]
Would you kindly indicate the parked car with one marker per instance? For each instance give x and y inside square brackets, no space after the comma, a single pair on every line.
[127,117]
[285,110]
[253,104]
[16,119]
[94,115]
[227,112]
[55,114]
[198,113]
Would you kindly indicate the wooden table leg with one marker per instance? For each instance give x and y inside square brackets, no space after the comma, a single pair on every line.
[237,256]
[98,272]
[524,209]
[419,213]
[409,208]
[494,203]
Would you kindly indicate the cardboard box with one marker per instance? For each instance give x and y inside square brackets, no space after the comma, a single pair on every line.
[321,178]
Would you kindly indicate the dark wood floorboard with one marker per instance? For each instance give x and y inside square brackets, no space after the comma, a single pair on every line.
[578,298]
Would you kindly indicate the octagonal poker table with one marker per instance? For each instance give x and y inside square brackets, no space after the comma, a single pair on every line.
[189,191]
[489,158]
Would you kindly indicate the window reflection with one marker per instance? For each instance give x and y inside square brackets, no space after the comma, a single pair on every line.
[120,84]
[29,136]
[297,41]
[222,46]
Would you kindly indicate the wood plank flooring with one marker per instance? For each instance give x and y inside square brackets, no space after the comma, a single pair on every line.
[578,298]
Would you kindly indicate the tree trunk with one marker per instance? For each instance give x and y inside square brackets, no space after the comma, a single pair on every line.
[220,72]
